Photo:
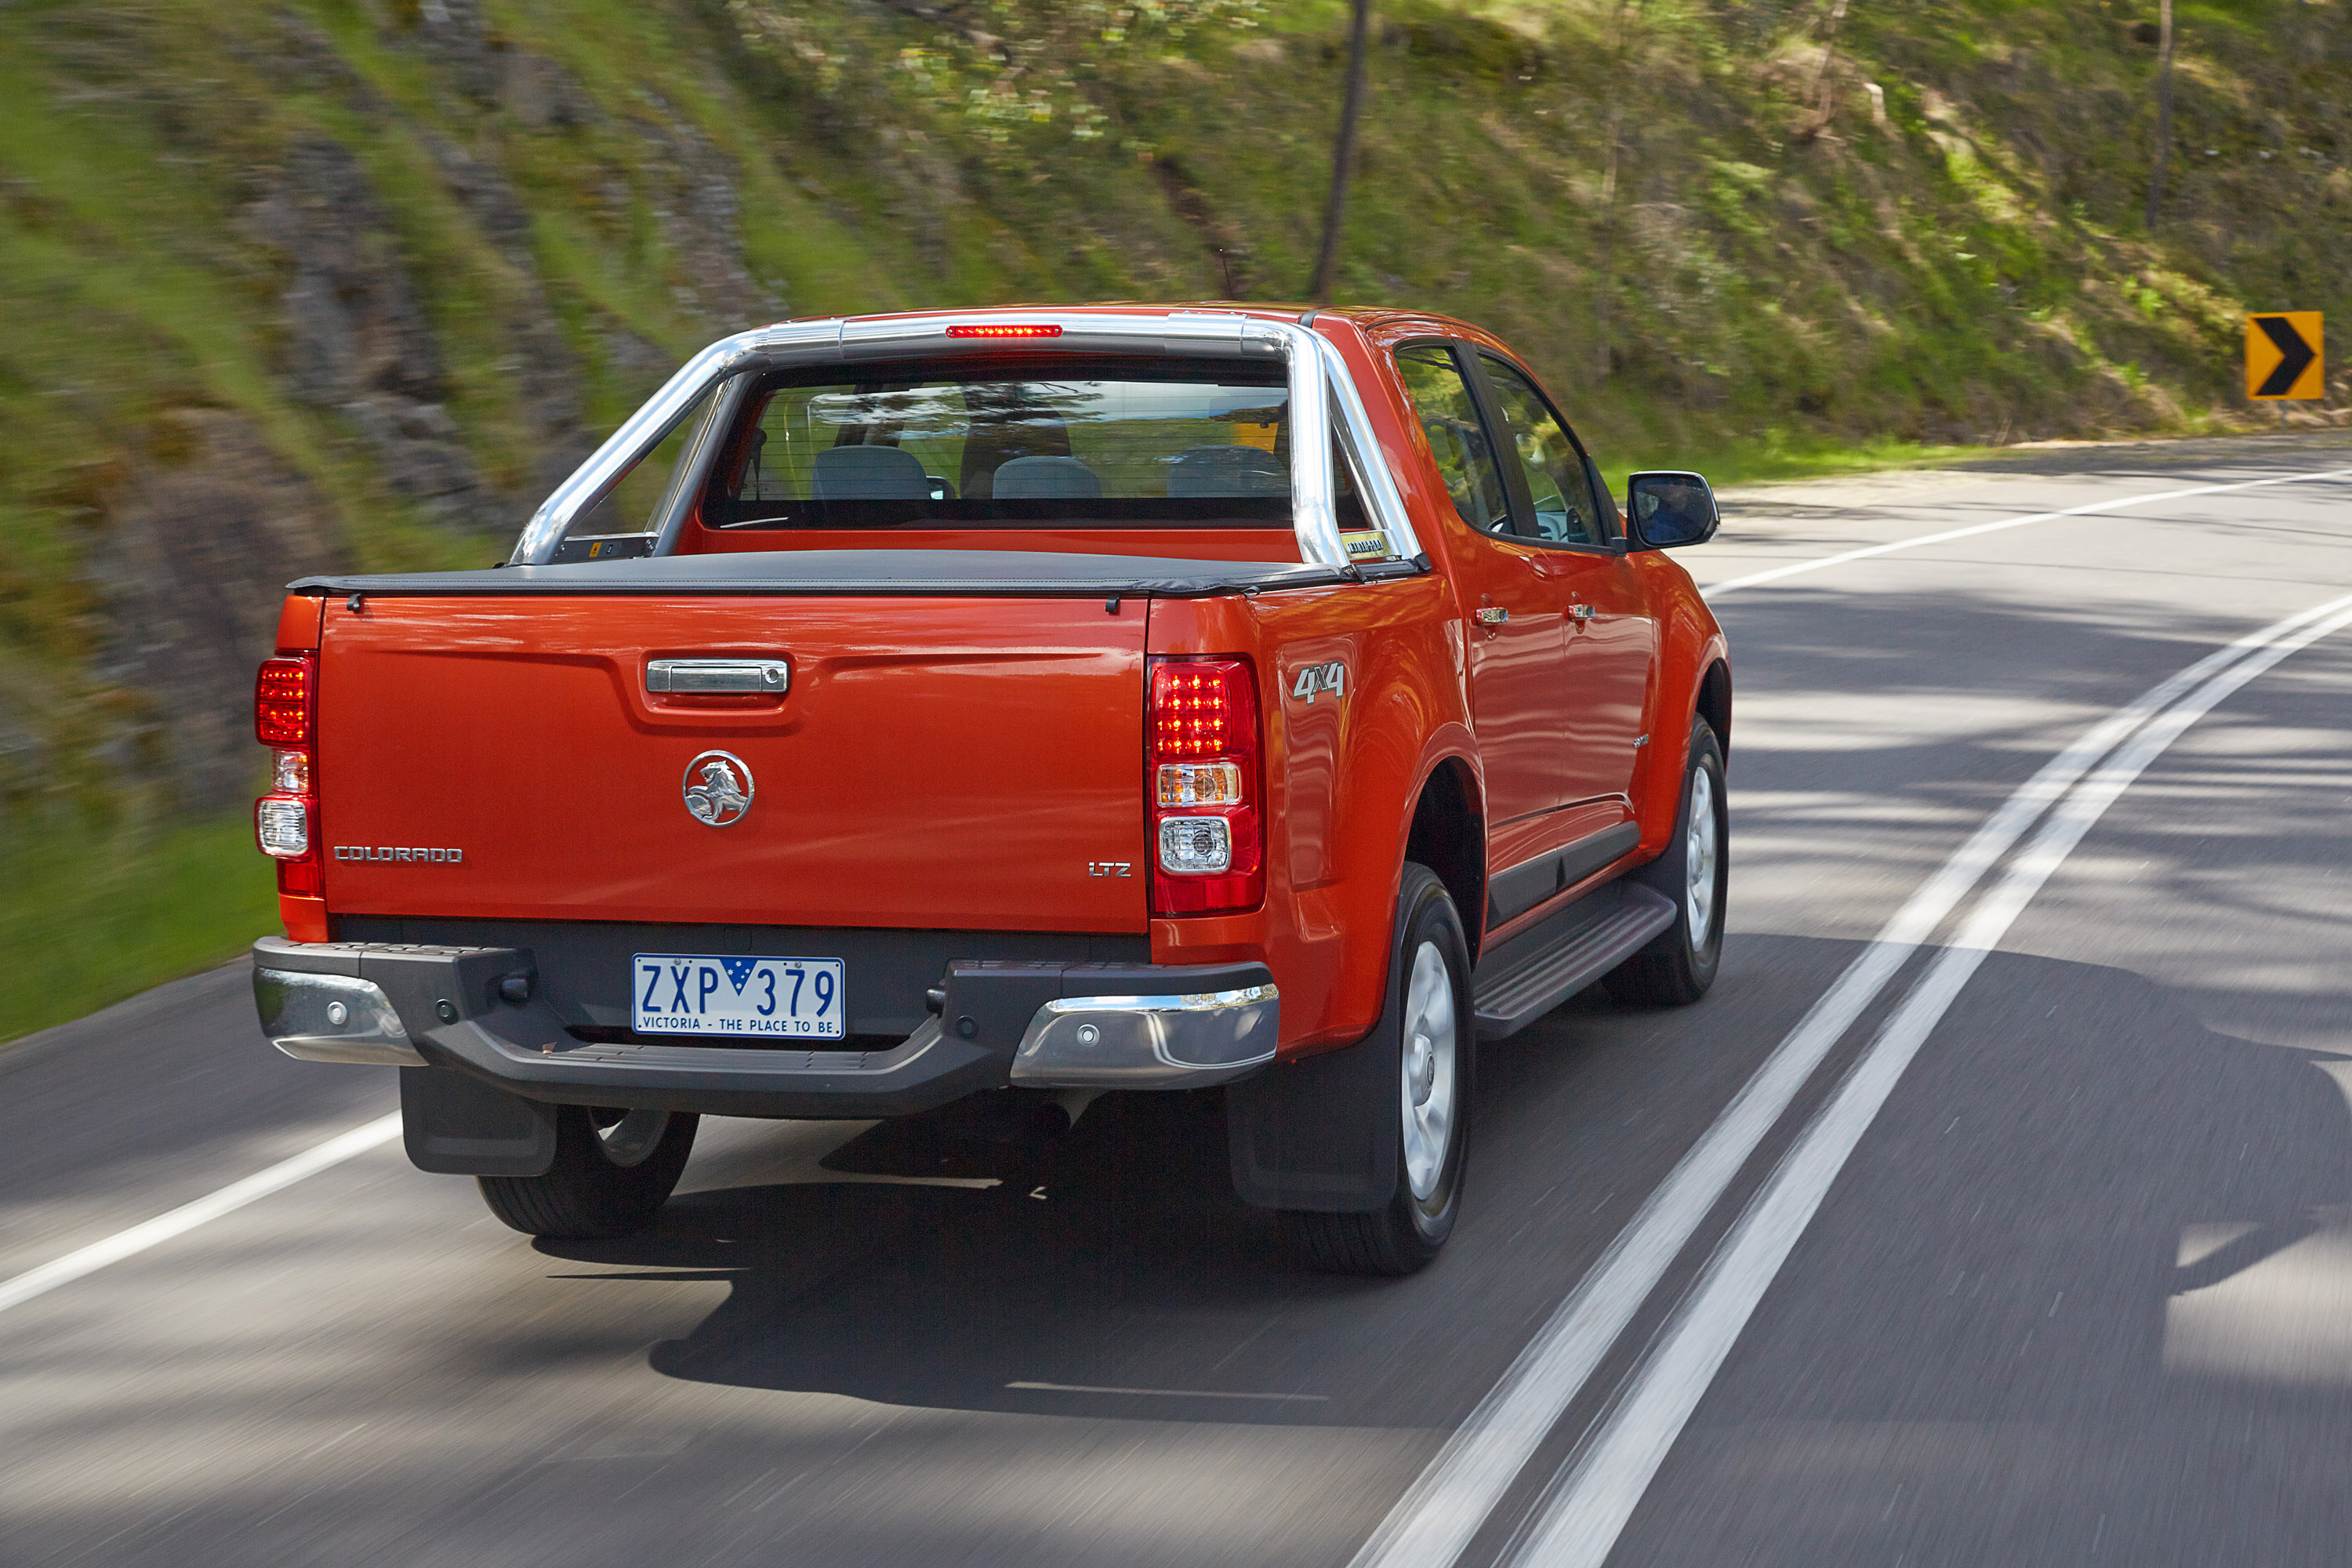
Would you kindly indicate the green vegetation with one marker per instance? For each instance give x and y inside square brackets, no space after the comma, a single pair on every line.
[337,281]
[88,919]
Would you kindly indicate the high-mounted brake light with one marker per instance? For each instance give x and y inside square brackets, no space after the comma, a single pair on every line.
[285,821]
[1207,835]
[1040,330]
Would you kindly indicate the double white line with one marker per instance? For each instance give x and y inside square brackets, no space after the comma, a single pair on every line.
[1579,1520]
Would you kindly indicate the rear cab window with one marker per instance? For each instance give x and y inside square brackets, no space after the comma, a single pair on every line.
[969,443]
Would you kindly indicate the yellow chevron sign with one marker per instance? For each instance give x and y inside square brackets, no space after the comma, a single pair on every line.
[2282,357]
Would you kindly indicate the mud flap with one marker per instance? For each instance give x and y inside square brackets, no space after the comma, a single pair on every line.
[1320,1134]
[460,1126]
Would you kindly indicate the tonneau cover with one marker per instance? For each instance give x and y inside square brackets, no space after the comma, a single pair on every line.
[961,572]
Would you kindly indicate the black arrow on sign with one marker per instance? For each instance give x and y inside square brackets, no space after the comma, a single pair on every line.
[2297,355]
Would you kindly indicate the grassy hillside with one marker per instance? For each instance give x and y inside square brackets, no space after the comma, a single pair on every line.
[351,282]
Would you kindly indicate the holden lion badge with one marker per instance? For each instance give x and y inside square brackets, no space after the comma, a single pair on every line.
[718,789]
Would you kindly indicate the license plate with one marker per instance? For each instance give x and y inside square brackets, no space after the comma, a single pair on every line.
[703,993]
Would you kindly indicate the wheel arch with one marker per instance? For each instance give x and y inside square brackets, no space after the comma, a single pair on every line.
[1714,703]
[1694,683]
[1448,835]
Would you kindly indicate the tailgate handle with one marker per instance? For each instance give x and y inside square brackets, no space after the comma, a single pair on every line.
[771,676]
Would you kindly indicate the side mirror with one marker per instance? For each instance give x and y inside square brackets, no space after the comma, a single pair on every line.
[1665,510]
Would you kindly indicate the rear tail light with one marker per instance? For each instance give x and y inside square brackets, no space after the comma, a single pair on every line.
[289,772]
[285,821]
[282,824]
[281,701]
[1037,330]
[1199,784]
[1195,845]
[1207,784]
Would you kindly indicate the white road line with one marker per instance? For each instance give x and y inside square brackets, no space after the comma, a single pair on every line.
[1429,1526]
[1757,579]
[1580,1526]
[187,1216]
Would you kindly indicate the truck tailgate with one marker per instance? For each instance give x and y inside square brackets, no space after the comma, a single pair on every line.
[971,763]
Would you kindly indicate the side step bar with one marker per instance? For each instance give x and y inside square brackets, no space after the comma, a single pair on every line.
[1535,972]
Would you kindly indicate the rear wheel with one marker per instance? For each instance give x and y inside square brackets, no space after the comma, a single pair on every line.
[1695,872]
[614,1170]
[1425,1028]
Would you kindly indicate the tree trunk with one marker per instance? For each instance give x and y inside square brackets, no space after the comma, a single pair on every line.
[1605,225]
[1343,157]
[2163,113]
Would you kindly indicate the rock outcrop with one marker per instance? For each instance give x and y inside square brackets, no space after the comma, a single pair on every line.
[203,537]
[358,342]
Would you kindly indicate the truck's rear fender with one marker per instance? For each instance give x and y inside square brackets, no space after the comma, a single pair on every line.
[1345,771]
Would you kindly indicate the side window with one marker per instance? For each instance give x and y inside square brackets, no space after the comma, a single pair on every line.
[1457,438]
[1555,470]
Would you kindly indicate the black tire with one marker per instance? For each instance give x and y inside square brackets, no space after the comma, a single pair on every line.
[1677,967]
[1403,1235]
[613,1171]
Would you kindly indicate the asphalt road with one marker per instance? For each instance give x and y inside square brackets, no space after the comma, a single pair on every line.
[2053,1264]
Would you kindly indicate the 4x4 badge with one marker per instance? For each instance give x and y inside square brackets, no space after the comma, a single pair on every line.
[1314,677]
[718,789]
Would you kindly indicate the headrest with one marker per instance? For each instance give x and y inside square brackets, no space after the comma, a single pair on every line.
[1046,478]
[869,473]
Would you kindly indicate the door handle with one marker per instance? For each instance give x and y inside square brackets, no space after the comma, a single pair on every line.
[773,677]
[1579,613]
[1493,614]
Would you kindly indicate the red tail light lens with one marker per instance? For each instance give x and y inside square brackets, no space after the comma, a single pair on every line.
[1041,330]
[1199,710]
[285,820]
[1208,848]
[281,701]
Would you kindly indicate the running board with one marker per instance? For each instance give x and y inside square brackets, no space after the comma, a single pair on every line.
[1537,970]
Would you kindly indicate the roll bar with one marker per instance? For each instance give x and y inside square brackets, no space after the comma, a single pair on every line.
[1319,385]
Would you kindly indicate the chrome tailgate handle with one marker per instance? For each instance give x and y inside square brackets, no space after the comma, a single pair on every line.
[772,676]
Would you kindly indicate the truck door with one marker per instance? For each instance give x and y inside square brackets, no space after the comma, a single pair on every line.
[1516,636]
[1610,635]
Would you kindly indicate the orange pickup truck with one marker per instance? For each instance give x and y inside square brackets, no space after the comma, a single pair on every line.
[1031,704]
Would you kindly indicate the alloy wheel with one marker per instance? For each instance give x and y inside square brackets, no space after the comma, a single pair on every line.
[1699,850]
[631,1139]
[1429,1078]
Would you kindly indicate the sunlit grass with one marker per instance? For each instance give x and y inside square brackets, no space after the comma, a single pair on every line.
[88,919]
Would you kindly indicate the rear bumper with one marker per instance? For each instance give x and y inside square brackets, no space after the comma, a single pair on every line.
[1039,1025]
